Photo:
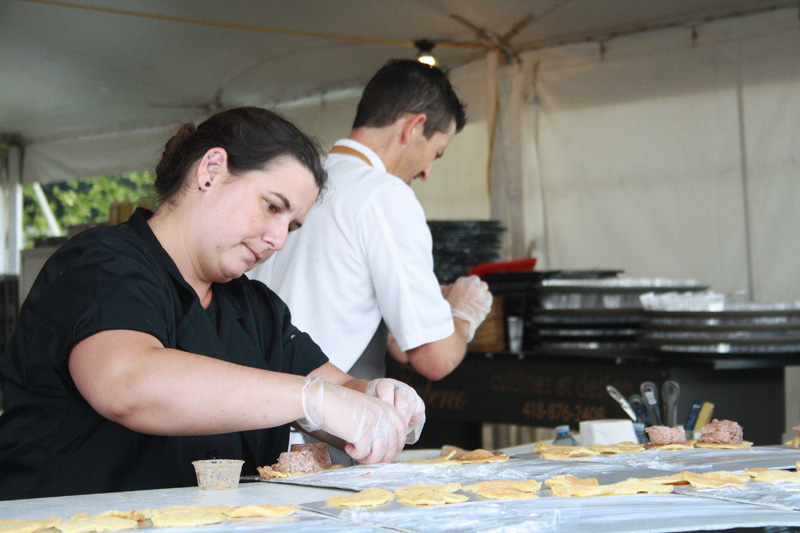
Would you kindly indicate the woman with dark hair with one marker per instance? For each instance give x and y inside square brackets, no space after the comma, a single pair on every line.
[143,347]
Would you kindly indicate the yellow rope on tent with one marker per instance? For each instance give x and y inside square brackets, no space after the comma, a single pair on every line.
[247,27]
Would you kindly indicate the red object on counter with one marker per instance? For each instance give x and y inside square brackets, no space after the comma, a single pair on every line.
[503,267]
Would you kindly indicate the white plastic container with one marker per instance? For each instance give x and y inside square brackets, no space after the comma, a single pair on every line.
[218,474]
[610,431]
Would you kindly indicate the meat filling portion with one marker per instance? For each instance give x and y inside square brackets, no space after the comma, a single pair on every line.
[319,449]
[721,432]
[661,435]
[302,462]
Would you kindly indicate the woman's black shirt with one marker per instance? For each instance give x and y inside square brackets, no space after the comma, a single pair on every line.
[52,442]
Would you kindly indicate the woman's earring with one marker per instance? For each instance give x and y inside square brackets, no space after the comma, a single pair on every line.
[208,184]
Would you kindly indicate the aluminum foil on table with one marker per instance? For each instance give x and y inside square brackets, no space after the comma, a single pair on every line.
[700,459]
[302,521]
[601,514]
[782,495]
[391,476]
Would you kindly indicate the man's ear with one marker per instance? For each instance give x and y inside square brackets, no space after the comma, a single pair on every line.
[414,125]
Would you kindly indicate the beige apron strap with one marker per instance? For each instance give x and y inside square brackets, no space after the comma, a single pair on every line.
[339,149]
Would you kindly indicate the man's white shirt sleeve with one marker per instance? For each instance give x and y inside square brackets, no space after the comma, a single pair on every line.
[398,247]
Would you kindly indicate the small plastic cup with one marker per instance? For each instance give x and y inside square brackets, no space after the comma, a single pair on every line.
[218,474]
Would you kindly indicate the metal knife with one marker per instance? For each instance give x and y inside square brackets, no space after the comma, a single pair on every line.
[612,390]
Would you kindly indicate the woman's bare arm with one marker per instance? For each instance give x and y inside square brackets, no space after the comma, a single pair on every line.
[130,378]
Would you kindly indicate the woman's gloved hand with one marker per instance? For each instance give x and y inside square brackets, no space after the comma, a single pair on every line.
[406,402]
[470,300]
[373,431]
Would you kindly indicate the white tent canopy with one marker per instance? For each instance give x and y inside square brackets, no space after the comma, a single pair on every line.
[94,86]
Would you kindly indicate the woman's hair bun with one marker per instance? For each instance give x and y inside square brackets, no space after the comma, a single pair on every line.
[172,146]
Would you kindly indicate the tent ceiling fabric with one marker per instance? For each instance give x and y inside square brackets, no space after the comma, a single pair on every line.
[92,68]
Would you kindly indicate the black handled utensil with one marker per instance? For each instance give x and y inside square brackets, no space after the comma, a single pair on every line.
[650,395]
[642,413]
[670,391]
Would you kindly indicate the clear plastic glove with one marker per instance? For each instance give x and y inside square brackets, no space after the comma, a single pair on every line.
[406,402]
[373,431]
[470,300]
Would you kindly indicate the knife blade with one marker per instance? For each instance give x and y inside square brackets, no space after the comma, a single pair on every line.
[612,390]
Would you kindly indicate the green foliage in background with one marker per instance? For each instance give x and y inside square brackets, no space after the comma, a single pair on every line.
[79,202]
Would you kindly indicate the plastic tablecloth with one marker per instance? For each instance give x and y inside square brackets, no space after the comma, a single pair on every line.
[756,505]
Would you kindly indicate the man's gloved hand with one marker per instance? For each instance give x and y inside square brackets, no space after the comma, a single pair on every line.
[373,431]
[470,300]
[406,402]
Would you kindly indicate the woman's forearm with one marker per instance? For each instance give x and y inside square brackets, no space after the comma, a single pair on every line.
[129,378]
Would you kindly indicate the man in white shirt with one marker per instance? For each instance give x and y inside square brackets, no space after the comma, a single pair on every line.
[359,276]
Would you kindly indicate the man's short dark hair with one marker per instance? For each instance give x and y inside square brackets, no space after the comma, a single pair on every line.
[408,86]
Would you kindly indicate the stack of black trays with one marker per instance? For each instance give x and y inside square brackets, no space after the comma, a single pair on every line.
[460,245]
[739,330]
[592,312]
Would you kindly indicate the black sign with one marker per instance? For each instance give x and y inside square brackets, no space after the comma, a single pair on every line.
[536,393]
